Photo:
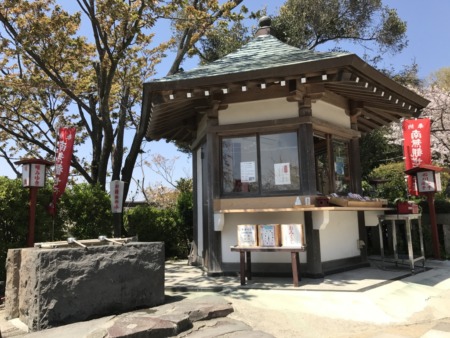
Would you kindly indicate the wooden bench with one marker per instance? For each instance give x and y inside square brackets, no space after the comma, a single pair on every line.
[246,260]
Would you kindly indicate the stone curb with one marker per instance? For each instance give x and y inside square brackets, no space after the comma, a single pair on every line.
[164,321]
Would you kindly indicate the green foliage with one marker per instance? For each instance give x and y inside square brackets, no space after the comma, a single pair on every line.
[48,65]
[86,212]
[83,212]
[309,23]
[185,209]
[441,78]
[221,41]
[395,185]
[376,150]
[151,224]
[441,205]
[13,218]
[172,225]
[46,228]
[408,76]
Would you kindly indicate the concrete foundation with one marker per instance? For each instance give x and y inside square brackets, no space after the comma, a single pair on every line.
[52,287]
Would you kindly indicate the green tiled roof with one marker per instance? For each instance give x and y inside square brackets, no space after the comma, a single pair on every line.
[263,52]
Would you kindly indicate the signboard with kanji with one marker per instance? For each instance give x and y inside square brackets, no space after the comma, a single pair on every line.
[417,150]
[33,175]
[428,181]
[116,196]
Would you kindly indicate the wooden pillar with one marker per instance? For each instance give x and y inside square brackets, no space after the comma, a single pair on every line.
[306,151]
[355,158]
[195,197]
[355,174]
[213,244]
[313,256]
[434,229]
[308,187]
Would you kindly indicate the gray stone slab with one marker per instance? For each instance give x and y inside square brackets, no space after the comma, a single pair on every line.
[53,287]
[223,327]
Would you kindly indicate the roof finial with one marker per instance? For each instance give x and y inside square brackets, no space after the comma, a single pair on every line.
[265,21]
[264,26]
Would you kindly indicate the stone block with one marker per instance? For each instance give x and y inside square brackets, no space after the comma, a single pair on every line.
[52,287]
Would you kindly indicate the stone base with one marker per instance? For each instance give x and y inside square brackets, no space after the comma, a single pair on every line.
[52,287]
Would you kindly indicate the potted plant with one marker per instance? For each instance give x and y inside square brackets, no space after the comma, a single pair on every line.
[405,206]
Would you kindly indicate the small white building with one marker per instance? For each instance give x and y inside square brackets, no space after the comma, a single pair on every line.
[267,124]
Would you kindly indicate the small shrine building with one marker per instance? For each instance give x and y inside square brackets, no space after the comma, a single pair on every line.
[270,125]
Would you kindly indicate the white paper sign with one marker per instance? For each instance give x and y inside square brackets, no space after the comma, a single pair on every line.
[116,196]
[33,175]
[248,172]
[26,175]
[425,181]
[282,173]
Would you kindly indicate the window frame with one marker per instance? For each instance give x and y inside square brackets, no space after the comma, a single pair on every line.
[331,139]
[260,192]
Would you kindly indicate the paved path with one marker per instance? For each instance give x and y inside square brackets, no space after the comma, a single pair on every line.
[376,302]
[383,301]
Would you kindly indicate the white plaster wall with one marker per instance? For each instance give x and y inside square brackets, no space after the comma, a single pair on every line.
[229,235]
[263,110]
[371,217]
[338,239]
[330,113]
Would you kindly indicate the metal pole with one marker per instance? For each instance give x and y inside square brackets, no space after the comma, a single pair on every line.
[433,223]
[32,216]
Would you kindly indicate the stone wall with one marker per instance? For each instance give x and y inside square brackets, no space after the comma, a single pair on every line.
[51,287]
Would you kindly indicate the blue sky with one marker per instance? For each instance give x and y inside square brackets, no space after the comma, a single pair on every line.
[429,46]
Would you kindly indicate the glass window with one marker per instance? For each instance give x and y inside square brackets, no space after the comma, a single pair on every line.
[341,167]
[279,162]
[274,156]
[322,166]
[239,165]
[332,165]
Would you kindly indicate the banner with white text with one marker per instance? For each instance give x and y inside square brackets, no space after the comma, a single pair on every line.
[416,147]
[66,138]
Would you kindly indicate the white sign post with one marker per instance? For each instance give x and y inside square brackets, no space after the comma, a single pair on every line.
[116,190]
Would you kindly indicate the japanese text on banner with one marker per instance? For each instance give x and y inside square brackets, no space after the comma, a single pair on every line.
[416,147]
[62,164]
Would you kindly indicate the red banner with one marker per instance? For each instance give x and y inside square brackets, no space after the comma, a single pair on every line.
[416,147]
[62,164]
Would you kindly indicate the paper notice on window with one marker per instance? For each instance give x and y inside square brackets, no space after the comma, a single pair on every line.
[282,173]
[248,172]
[339,165]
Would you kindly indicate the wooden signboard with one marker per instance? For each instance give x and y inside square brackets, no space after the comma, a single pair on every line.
[247,235]
[292,235]
[269,235]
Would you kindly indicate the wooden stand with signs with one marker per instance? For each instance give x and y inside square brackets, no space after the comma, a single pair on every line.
[428,181]
[33,177]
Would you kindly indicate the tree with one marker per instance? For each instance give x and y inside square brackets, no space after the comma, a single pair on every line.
[376,150]
[394,176]
[441,78]
[306,24]
[55,76]
[221,40]
[438,111]
[438,92]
